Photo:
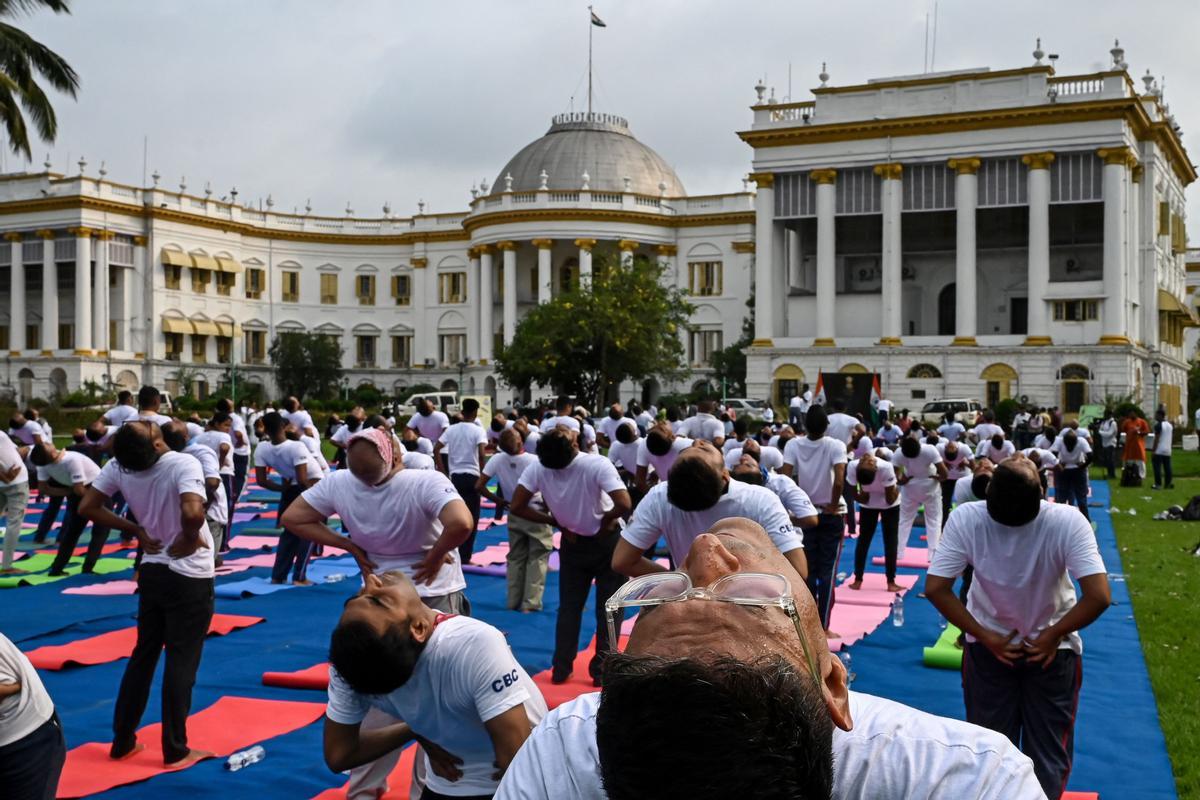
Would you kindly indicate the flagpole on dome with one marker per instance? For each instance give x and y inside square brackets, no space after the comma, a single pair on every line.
[594,22]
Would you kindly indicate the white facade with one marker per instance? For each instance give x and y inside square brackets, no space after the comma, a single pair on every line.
[982,234]
[412,300]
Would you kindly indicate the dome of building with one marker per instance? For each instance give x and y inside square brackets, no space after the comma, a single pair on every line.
[600,145]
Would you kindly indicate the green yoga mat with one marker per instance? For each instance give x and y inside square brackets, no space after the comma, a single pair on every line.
[252,531]
[944,654]
[36,565]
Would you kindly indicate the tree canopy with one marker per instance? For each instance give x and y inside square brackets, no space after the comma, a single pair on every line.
[22,61]
[622,323]
[306,364]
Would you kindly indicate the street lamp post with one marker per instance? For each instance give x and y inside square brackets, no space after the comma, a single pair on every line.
[462,365]
[345,388]
[1155,370]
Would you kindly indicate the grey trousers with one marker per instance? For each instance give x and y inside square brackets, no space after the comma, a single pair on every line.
[16,499]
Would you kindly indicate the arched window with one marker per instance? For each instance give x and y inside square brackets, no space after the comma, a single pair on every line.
[924,371]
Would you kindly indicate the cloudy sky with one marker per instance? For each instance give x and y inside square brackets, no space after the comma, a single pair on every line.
[367,101]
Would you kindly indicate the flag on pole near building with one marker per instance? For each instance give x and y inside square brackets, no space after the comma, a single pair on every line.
[876,394]
[599,23]
[819,394]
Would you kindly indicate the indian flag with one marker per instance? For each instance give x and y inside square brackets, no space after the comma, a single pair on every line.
[599,23]
[819,393]
[876,393]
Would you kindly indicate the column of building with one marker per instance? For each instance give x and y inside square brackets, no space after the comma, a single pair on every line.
[627,248]
[764,228]
[49,294]
[16,312]
[100,307]
[472,294]
[892,202]
[966,188]
[83,290]
[421,344]
[585,258]
[136,313]
[826,253]
[509,249]
[486,329]
[1117,161]
[545,268]
[1038,281]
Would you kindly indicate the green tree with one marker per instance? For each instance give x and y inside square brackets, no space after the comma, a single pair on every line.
[306,364]
[22,59]
[623,323]
[729,363]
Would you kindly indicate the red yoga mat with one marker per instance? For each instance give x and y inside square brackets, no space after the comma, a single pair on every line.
[116,645]
[1081,796]
[399,780]
[228,725]
[579,683]
[314,677]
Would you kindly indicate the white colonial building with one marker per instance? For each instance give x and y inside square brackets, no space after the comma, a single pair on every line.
[125,285]
[981,234]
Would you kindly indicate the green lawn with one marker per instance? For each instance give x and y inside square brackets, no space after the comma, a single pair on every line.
[1164,581]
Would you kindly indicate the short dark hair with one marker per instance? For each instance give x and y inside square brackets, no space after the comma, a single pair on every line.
[133,447]
[694,485]
[765,719]
[369,661]
[1013,498]
[562,403]
[470,405]
[910,447]
[39,456]
[741,426]
[979,484]
[816,420]
[219,418]
[375,421]
[273,423]
[658,441]
[747,474]
[124,396]
[626,433]
[225,405]
[148,396]
[554,449]
[866,475]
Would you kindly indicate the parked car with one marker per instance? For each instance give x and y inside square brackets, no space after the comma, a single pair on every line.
[442,401]
[745,407]
[964,411]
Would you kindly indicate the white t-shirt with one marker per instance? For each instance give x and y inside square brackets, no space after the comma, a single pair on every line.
[285,457]
[430,427]
[493,435]
[661,464]
[531,442]
[396,523]
[550,423]
[794,500]
[704,426]
[341,436]
[986,430]
[153,496]
[655,517]
[1022,574]
[417,460]
[1043,458]
[986,450]
[507,470]
[239,427]
[465,676]
[893,751]
[885,476]
[922,465]
[24,712]
[28,434]
[731,443]
[71,468]
[884,405]
[645,419]
[213,440]
[1043,442]
[302,420]
[313,446]
[769,458]
[1109,431]
[841,426]
[149,416]
[460,442]
[218,511]
[1074,459]
[608,426]
[117,415]
[625,455]
[194,429]
[962,491]
[960,465]
[1164,438]
[954,431]
[812,467]
[10,457]
[577,494]
[864,447]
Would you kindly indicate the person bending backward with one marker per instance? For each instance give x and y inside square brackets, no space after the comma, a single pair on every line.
[68,474]
[658,450]
[428,421]
[296,470]
[798,505]
[727,678]
[698,492]
[704,425]
[14,488]
[876,490]
[1022,664]
[461,445]
[586,499]
[166,493]
[920,473]
[1071,473]
[529,543]
[769,458]
[452,679]
[818,465]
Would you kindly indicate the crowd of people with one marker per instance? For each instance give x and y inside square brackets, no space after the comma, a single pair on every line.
[730,655]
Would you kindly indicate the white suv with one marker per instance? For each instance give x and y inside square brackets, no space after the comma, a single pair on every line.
[964,411]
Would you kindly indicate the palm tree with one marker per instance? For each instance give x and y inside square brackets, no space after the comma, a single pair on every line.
[21,60]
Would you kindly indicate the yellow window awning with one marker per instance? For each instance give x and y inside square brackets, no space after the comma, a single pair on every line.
[176,325]
[202,261]
[228,264]
[175,258]
[228,328]
[1168,302]
[204,327]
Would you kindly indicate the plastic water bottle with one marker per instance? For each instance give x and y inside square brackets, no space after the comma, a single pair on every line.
[844,655]
[335,577]
[898,612]
[244,758]
[942,622]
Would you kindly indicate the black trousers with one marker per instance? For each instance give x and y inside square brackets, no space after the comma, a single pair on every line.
[891,535]
[1162,464]
[30,766]
[947,499]
[1033,707]
[48,518]
[292,552]
[1109,457]
[173,613]
[848,496]
[1071,486]
[583,559]
[430,794]
[464,482]
[227,482]
[241,465]
[823,549]
[68,537]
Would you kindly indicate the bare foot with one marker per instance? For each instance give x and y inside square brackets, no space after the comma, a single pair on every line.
[831,634]
[895,587]
[855,585]
[13,571]
[137,748]
[191,758]
[302,583]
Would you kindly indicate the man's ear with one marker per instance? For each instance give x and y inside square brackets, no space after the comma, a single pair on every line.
[837,694]
[420,628]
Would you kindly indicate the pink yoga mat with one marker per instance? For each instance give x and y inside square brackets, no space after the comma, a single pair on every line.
[246,542]
[493,554]
[914,558]
[874,590]
[854,622]
[108,588]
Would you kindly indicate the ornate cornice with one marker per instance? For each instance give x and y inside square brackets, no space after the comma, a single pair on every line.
[764,180]
[627,245]
[540,215]
[104,236]
[139,241]
[964,166]
[890,172]
[13,236]
[1117,156]
[81,232]
[419,262]
[1038,160]
[585,244]
[828,176]
[666,250]
[44,233]
[506,245]
[542,244]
